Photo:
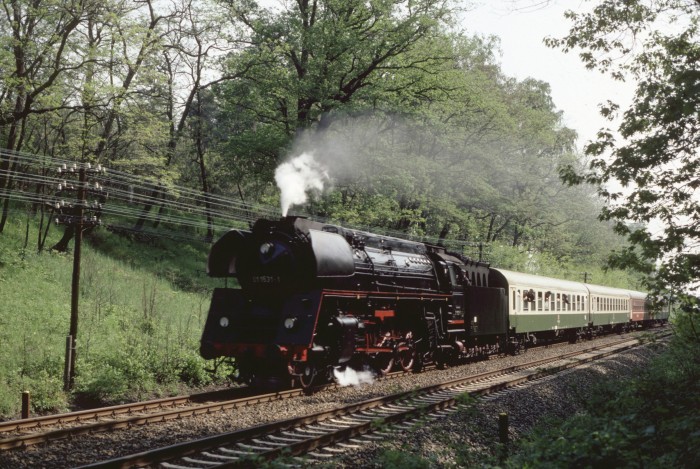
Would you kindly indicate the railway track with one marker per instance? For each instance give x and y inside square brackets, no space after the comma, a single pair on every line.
[28,432]
[55,427]
[321,435]
[24,433]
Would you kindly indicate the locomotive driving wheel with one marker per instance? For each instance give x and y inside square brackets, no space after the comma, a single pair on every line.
[405,356]
[383,363]
[308,376]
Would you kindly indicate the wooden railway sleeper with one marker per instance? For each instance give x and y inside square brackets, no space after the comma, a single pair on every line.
[253,448]
[288,440]
[295,434]
[234,452]
[222,457]
[348,445]
[258,441]
[348,419]
[199,461]
[334,449]
[335,426]
[312,430]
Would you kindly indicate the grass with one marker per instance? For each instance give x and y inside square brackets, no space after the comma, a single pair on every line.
[141,313]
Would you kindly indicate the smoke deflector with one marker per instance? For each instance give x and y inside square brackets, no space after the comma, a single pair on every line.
[333,254]
[222,257]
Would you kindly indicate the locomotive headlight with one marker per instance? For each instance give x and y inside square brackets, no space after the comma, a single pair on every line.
[289,323]
[223,321]
[266,249]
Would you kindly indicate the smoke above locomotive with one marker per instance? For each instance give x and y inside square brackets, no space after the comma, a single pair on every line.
[297,177]
[339,153]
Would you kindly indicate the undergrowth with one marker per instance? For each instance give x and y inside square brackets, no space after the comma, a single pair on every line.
[139,321]
[647,422]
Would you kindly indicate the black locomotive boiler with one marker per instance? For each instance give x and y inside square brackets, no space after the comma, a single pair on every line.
[316,297]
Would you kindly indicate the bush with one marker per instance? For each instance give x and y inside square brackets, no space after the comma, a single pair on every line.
[192,371]
[395,459]
[649,422]
[45,388]
[99,384]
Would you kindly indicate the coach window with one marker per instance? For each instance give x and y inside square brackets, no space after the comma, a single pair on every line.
[539,301]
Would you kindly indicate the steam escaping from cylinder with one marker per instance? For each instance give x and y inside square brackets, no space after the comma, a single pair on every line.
[350,377]
[298,177]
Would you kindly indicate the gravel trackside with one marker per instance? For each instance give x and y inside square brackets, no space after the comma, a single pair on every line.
[440,441]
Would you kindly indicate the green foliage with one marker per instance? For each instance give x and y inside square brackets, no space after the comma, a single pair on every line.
[132,342]
[656,158]
[649,422]
[45,387]
[402,459]
[572,268]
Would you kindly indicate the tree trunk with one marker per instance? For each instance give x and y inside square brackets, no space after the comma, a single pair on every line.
[62,244]
[443,234]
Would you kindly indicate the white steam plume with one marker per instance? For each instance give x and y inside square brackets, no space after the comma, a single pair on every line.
[297,177]
[350,377]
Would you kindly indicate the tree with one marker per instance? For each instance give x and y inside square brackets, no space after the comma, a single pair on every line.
[311,58]
[656,156]
[37,51]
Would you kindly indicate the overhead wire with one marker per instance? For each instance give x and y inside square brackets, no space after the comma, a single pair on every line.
[172,207]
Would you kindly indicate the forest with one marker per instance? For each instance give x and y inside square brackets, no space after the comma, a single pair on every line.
[407,118]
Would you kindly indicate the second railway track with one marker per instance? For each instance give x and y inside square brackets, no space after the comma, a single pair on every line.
[22,433]
[342,426]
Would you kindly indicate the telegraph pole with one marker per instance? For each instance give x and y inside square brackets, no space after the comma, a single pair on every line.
[79,215]
[75,283]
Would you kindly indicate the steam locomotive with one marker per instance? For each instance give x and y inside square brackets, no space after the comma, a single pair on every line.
[316,297]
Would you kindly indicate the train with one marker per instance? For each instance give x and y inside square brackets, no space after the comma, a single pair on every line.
[313,298]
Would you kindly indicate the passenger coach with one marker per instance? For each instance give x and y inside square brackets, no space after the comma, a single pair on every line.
[543,308]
